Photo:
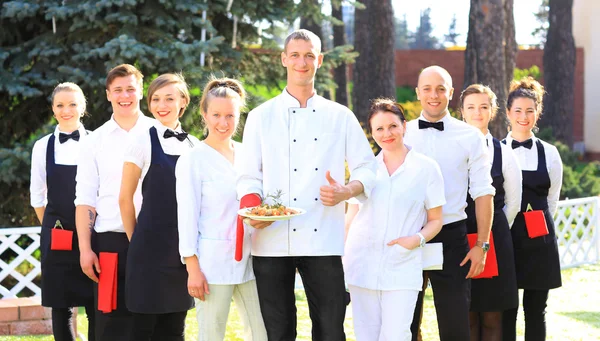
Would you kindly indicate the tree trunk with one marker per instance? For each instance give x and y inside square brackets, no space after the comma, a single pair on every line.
[339,73]
[559,71]
[374,70]
[490,53]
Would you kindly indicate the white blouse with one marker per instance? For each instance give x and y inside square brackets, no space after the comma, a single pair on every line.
[64,154]
[207,215]
[139,151]
[513,188]
[396,208]
[528,160]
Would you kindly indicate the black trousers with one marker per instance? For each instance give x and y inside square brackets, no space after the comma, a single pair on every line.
[116,325]
[63,322]
[323,278]
[451,290]
[158,327]
[534,309]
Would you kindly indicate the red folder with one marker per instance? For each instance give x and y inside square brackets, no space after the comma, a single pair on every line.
[61,239]
[491,263]
[248,200]
[107,284]
[535,222]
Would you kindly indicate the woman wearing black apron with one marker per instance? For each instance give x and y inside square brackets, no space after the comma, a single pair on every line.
[156,281]
[53,170]
[536,258]
[491,296]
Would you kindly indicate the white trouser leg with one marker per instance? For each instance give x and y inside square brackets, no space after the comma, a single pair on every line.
[366,313]
[212,313]
[245,297]
[397,309]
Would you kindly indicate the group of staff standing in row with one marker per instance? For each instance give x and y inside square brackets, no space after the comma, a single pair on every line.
[139,218]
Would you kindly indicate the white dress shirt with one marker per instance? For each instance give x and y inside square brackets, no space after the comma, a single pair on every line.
[207,208]
[513,187]
[64,154]
[100,169]
[397,208]
[462,156]
[139,151]
[290,148]
[528,160]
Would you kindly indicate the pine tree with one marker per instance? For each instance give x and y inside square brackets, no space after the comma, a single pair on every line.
[402,33]
[452,36]
[423,38]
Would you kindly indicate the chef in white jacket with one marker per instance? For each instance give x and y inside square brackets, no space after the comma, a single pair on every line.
[298,142]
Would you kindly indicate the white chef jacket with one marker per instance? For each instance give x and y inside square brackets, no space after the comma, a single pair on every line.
[64,154]
[513,187]
[100,170]
[528,160]
[461,153]
[139,151]
[289,148]
[397,208]
[207,208]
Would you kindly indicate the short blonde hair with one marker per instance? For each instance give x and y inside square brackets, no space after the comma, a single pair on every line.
[168,79]
[479,89]
[72,87]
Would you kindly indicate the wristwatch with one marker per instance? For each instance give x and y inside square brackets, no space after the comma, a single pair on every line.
[485,246]
[423,241]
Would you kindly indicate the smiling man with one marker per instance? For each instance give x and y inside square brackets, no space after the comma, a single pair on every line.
[100,167]
[461,153]
[297,143]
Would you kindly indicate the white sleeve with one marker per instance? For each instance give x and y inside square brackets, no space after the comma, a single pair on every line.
[88,181]
[555,170]
[359,155]
[137,152]
[480,179]
[250,179]
[513,184]
[38,188]
[189,198]
[435,195]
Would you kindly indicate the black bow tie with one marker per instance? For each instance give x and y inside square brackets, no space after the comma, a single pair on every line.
[62,137]
[180,136]
[435,125]
[527,144]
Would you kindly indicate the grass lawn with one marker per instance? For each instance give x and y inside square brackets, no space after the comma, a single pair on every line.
[573,313]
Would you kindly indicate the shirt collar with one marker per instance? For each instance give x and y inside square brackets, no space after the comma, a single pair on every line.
[160,128]
[112,125]
[81,129]
[509,138]
[445,119]
[291,102]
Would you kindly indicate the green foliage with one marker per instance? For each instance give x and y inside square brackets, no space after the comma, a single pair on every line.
[405,93]
[423,38]
[533,71]
[580,179]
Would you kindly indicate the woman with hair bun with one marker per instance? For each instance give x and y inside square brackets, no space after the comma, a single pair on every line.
[208,205]
[491,296]
[155,286]
[53,170]
[536,249]
[386,233]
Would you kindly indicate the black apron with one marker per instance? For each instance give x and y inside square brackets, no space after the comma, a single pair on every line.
[537,260]
[156,279]
[498,293]
[64,284]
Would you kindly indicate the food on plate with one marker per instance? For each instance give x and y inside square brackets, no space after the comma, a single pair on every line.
[272,210]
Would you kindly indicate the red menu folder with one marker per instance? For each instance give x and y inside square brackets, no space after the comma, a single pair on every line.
[61,239]
[107,284]
[535,222]
[248,200]
[491,263]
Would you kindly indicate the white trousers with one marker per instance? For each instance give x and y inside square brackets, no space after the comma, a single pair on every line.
[212,314]
[382,315]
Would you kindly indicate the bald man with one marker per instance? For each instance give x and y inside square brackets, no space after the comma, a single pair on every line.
[462,156]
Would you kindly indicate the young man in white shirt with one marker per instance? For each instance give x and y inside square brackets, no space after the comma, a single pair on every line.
[460,151]
[297,143]
[99,225]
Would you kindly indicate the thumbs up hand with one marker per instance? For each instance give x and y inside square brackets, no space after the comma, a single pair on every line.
[335,192]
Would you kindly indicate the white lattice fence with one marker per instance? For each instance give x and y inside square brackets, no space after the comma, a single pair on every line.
[24,267]
[578,222]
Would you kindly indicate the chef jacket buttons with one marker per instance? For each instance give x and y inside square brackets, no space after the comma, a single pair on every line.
[294,140]
[316,199]
[294,111]
[316,169]
[295,169]
[294,230]
[315,138]
[315,230]
[294,199]
[314,110]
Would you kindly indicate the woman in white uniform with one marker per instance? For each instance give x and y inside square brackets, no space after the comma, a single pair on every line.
[207,212]
[386,233]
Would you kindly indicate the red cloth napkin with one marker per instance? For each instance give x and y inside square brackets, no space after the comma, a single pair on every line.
[107,284]
[248,200]
[491,263]
[61,239]
[535,222]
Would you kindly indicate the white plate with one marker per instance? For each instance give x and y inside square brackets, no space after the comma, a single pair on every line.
[244,212]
